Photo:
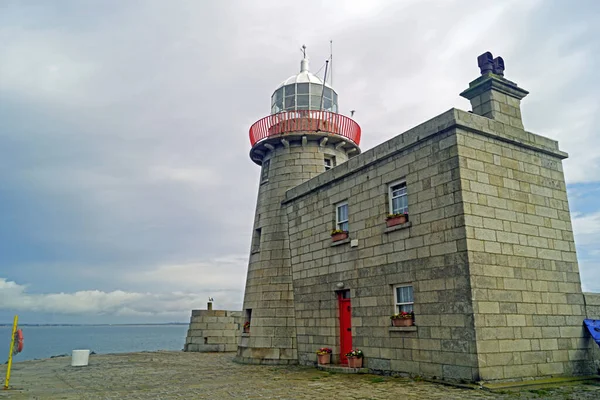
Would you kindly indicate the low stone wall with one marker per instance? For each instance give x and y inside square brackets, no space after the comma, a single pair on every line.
[592,305]
[213,331]
[592,311]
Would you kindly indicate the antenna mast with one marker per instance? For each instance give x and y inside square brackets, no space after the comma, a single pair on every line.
[331,60]
[324,80]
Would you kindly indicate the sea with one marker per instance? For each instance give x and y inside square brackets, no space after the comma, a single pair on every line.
[48,341]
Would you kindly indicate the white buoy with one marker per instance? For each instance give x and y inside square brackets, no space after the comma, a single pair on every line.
[80,358]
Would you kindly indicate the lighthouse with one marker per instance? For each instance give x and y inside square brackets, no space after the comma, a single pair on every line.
[304,136]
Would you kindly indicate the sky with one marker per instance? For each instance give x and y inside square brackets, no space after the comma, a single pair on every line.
[126,189]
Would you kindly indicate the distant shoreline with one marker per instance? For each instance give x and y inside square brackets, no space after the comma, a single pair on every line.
[149,324]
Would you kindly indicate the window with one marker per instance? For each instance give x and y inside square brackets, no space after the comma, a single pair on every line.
[403,298]
[302,102]
[248,322]
[264,176]
[290,103]
[256,240]
[303,88]
[329,162]
[303,96]
[277,101]
[290,90]
[315,102]
[341,217]
[398,198]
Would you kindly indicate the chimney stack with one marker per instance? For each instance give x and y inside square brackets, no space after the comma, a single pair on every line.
[493,96]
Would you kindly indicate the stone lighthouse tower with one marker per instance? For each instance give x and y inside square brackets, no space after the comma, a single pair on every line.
[304,136]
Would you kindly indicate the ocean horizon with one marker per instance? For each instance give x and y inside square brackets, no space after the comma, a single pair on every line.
[51,340]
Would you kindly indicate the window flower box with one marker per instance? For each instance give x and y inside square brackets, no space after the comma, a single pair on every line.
[402,322]
[337,235]
[403,319]
[396,219]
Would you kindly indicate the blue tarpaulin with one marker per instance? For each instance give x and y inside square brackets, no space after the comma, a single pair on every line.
[593,326]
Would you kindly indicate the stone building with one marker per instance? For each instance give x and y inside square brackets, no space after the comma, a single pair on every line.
[486,260]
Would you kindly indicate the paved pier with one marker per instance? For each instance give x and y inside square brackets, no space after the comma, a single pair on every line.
[178,375]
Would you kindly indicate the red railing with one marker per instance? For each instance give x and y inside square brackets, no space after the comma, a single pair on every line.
[304,121]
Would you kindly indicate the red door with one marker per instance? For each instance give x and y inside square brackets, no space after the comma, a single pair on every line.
[345,325]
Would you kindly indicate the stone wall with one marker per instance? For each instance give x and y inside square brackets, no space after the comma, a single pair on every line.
[213,331]
[525,280]
[489,251]
[429,253]
[268,297]
[592,305]
[592,311]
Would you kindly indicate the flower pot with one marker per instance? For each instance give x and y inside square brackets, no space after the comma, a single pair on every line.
[355,362]
[402,219]
[402,322]
[324,358]
[246,330]
[339,236]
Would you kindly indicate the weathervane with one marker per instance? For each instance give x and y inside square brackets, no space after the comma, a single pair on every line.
[303,50]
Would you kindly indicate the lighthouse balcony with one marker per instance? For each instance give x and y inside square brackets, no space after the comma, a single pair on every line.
[307,124]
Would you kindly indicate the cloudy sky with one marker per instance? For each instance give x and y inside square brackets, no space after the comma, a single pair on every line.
[126,190]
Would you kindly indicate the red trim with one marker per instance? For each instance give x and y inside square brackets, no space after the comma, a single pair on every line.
[305,121]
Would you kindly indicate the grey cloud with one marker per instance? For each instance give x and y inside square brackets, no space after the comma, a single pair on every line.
[124,138]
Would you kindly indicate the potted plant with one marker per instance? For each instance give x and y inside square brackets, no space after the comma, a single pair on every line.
[324,355]
[396,219]
[403,319]
[355,358]
[338,234]
[247,327]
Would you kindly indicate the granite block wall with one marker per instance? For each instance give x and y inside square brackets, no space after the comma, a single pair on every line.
[592,305]
[489,251]
[268,298]
[525,280]
[213,331]
[429,253]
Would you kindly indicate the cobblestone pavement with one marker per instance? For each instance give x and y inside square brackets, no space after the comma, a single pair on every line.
[178,375]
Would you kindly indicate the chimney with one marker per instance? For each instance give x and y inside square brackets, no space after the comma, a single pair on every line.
[493,96]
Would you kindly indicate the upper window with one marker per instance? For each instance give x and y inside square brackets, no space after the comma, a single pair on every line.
[256,240]
[265,171]
[341,217]
[303,96]
[403,298]
[398,198]
[329,162]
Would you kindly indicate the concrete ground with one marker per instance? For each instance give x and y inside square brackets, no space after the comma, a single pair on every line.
[178,375]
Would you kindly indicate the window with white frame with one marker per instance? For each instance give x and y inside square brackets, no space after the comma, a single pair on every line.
[403,298]
[341,216]
[329,162]
[398,198]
